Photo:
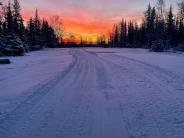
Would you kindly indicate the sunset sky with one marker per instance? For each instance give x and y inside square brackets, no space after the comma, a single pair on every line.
[88,18]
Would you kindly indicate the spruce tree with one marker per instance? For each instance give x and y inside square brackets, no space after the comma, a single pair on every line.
[116,36]
[181,24]
[37,29]
[123,33]
[170,27]
[131,31]
[31,33]
[8,23]
[18,25]
[148,15]
[2,41]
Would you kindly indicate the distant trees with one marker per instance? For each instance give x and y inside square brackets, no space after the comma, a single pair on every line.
[16,38]
[101,41]
[40,33]
[159,31]
[115,36]
[123,33]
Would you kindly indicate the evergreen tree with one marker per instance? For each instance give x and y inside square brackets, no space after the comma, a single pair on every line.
[1,19]
[150,19]
[181,31]
[116,36]
[123,33]
[12,44]
[181,10]
[148,16]
[18,25]
[8,23]
[15,38]
[157,32]
[161,42]
[171,27]
[131,30]
[36,30]
[48,35]
[142,34]
[37,23]
[2,41]
[31,32]
[181,24]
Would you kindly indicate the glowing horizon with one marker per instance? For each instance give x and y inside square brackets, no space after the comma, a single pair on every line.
[88,18]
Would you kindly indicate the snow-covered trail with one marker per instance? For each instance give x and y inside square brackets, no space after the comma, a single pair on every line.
[101,95]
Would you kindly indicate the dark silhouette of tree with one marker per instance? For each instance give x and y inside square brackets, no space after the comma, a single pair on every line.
[170,28]
[17,19]
[181,10]
[123,33]
[131,33]
[16,39]
[31,32]
[115,36]
[159,31]
[180,35]
[48,35]
[8,23]
[37,28]
[1,19]
[150,22]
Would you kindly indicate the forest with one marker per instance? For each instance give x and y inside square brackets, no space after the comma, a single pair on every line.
[16,38]
[161,30]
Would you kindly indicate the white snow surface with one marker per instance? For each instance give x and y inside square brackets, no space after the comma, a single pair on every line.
[93,93]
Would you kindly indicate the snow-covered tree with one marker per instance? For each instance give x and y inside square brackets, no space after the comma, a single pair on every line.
[15,39]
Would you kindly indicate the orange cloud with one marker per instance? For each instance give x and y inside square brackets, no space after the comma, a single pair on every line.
[84,21]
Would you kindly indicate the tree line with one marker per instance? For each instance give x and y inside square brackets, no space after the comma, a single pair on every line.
[16,38]
[160,30]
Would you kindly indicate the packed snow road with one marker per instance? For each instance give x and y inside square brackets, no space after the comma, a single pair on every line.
[99,94]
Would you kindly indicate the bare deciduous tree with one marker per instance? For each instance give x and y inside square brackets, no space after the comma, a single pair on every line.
[160,9]
[181,10]
[57,25]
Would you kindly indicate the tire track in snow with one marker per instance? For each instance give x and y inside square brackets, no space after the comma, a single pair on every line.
[74,116]
[165,73]
[109,73]
[153,86]
[97,98]
[42,117]
[76,123]
[24,107]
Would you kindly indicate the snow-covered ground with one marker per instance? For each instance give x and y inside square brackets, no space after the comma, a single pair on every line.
[93,93]
[19,79]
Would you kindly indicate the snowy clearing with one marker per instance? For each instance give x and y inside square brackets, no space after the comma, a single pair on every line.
[92,93]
